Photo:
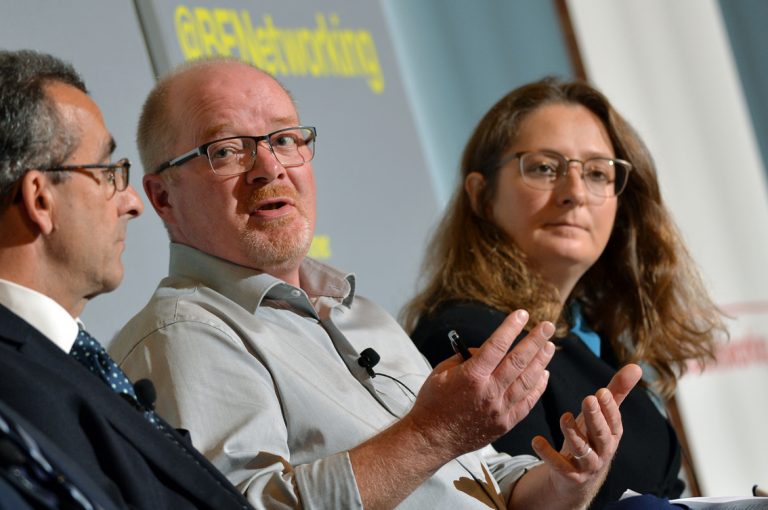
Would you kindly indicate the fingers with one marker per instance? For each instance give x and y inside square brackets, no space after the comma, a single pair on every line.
[599,434]
[544,450]
[493,350]
[610,410]
[620,385]
[493,354]
[523,366]
[623,381]
[520,400]
[523,384]
[592,441]
[577,445]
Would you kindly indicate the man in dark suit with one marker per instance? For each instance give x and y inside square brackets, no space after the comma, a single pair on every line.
[64,207]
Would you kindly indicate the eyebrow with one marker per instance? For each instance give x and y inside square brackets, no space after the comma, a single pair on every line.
[109,148]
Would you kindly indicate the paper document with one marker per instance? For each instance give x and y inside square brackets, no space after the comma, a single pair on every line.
[716,503]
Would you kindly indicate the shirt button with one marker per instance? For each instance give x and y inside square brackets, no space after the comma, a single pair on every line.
[295,293]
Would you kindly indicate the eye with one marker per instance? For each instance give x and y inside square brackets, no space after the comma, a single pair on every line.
[226,149]
[540,166]
[285,139]
[597,176]
[544,169]
[599,172]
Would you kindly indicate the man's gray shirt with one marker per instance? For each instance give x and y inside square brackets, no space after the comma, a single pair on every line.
[265,377]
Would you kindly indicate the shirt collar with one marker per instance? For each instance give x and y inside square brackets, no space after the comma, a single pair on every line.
[248,287]
[42,312]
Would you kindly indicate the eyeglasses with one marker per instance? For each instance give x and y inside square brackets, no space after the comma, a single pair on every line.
[117,173]
[604,177]
[235,155]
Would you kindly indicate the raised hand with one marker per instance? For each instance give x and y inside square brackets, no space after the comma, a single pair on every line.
[578,470]
[463,406]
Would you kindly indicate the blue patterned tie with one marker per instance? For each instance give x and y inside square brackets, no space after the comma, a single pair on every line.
[91,354]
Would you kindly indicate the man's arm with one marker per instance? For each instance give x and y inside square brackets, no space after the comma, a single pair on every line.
[461,407]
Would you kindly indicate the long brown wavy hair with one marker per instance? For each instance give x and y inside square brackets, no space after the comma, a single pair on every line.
[644,293]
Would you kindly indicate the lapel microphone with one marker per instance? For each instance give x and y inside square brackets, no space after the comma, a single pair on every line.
[145,393]
[368,359]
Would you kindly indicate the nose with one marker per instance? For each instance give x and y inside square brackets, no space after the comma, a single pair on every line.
[131,202]
[266,168]
[572,189]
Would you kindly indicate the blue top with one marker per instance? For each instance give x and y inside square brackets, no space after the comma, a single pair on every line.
[582,330]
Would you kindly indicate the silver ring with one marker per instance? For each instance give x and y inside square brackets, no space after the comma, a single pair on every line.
[579,457]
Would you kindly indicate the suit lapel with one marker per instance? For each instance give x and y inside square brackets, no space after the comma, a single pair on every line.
[167,451]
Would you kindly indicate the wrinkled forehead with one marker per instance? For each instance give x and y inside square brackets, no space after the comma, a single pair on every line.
[227,99]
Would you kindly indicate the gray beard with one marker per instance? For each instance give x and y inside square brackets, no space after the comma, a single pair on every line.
[279,252]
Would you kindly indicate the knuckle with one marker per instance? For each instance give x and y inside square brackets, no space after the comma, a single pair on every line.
[517,361]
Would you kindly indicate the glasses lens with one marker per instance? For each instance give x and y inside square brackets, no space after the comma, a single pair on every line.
[605,177]
[293,146]
[232,156]
[540,169]
[122,174]
[622,176]
[600,177]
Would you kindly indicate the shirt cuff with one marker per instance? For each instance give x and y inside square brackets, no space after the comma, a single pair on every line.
[328,483]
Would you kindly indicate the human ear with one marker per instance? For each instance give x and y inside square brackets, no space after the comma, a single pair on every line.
[37,195]
[156,188]
[474,184]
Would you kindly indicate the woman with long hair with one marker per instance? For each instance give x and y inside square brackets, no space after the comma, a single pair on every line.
[559,212]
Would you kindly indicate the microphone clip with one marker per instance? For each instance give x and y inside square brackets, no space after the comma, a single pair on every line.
[368,359]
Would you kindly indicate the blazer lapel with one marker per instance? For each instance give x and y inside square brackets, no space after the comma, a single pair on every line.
[167,451]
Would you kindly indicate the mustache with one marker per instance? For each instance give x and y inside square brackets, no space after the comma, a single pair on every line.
[273,191]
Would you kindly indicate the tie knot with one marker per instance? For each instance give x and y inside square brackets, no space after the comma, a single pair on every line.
[86,342]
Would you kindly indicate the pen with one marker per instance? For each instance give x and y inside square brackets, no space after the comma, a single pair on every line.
[459,347]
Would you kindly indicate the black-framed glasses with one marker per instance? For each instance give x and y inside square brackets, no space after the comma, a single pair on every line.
[117,174]
[544,170]
[235,155]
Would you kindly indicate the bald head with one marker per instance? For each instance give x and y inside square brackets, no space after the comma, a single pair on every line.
[176,96]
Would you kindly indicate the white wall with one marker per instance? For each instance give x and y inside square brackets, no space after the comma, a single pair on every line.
[667,67]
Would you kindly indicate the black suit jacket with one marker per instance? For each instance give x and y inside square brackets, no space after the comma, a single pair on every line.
[36,474]
[134,463]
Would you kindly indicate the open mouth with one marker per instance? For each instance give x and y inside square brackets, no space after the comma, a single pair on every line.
[273,205]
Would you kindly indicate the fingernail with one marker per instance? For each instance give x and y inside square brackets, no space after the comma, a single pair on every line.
[547,328]
[603,395]
[522,316]
[549,348]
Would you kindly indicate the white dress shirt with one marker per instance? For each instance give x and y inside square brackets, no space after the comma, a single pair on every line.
[42,312]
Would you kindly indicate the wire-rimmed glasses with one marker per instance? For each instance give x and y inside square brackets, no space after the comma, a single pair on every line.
[235,155]
[543,170]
